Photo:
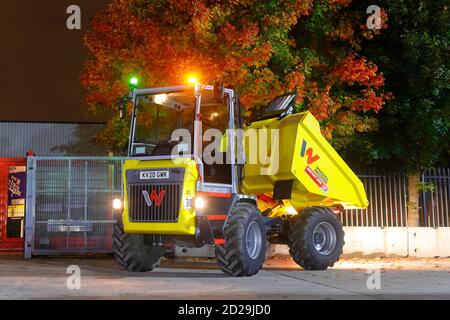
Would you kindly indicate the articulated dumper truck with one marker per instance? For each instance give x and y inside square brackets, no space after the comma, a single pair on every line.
[197,174]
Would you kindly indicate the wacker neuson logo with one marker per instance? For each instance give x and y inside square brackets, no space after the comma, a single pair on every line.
[148,175]
[317,175]
[153,197]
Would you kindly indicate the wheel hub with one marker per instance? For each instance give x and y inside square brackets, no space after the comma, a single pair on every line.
[253,240]
[324,238]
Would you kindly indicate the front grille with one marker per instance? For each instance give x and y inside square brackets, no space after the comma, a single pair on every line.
[165,211]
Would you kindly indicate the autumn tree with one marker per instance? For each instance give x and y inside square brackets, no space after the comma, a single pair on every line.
[260,48]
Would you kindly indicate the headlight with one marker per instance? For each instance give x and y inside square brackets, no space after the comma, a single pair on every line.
[200,203]
[117,204]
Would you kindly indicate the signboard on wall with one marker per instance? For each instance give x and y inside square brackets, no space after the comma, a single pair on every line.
[16,186]
[12,216]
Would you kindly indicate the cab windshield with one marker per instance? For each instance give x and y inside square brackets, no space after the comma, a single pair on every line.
[157,116]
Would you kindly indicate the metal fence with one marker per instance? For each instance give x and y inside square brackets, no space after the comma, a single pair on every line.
[388,201]
[387,195]
[69,204]
[435,198]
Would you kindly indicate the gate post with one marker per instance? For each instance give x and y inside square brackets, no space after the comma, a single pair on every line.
[30,206]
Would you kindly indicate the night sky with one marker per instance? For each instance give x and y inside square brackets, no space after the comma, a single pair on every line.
[41,60]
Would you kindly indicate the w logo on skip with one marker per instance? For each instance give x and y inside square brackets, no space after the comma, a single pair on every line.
[153,197]
[309,153]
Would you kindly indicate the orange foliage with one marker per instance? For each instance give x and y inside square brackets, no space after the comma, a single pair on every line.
[232,41]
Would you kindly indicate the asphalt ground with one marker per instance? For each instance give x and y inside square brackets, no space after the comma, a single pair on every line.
[101,278]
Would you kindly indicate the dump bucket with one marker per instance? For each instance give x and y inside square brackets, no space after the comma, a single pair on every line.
[298,164]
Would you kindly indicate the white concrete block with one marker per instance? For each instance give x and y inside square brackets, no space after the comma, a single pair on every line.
[206,251]
[396,241]
[422,242]
[443,242]
[429,242]
[277,250]
[367,241]
[364,241]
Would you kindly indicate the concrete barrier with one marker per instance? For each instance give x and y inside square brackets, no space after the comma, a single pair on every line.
[429,242]
[207,251]
[367,242]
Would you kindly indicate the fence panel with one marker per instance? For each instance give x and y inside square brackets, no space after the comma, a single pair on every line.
[69,204]
[434,203]
[387,202]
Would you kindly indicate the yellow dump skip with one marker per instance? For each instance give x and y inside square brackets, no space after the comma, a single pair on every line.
[320,176]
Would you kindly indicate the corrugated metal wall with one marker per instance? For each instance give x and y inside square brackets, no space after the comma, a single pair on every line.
[49,139]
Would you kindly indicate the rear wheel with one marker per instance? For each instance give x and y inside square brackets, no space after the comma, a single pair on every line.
[316,239]
[133,251]
[245,245]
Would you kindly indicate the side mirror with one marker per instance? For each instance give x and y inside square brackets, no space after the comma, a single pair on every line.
[122,106]
[218,91]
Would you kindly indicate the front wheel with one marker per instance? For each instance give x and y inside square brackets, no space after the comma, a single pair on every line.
[245,245]
[134,252]
[316,239]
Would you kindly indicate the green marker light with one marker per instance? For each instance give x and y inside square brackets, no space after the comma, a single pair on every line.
[134,82]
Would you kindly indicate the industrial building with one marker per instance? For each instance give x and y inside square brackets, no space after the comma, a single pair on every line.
[19,139]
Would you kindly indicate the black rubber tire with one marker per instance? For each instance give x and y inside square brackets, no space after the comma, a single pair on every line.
[233,257]
[300,239]
[132,251]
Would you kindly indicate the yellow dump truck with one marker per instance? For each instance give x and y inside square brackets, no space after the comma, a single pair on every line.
[198,175]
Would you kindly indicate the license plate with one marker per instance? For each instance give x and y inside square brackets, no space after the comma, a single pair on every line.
[148,175]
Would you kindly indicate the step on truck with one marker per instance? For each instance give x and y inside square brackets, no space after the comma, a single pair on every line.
[198,174]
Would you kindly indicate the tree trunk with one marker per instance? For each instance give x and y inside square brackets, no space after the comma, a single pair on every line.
[413,200]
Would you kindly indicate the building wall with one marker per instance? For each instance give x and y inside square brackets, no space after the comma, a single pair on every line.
[49,139]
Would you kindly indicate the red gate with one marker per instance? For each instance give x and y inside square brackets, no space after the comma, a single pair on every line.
[6,243]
